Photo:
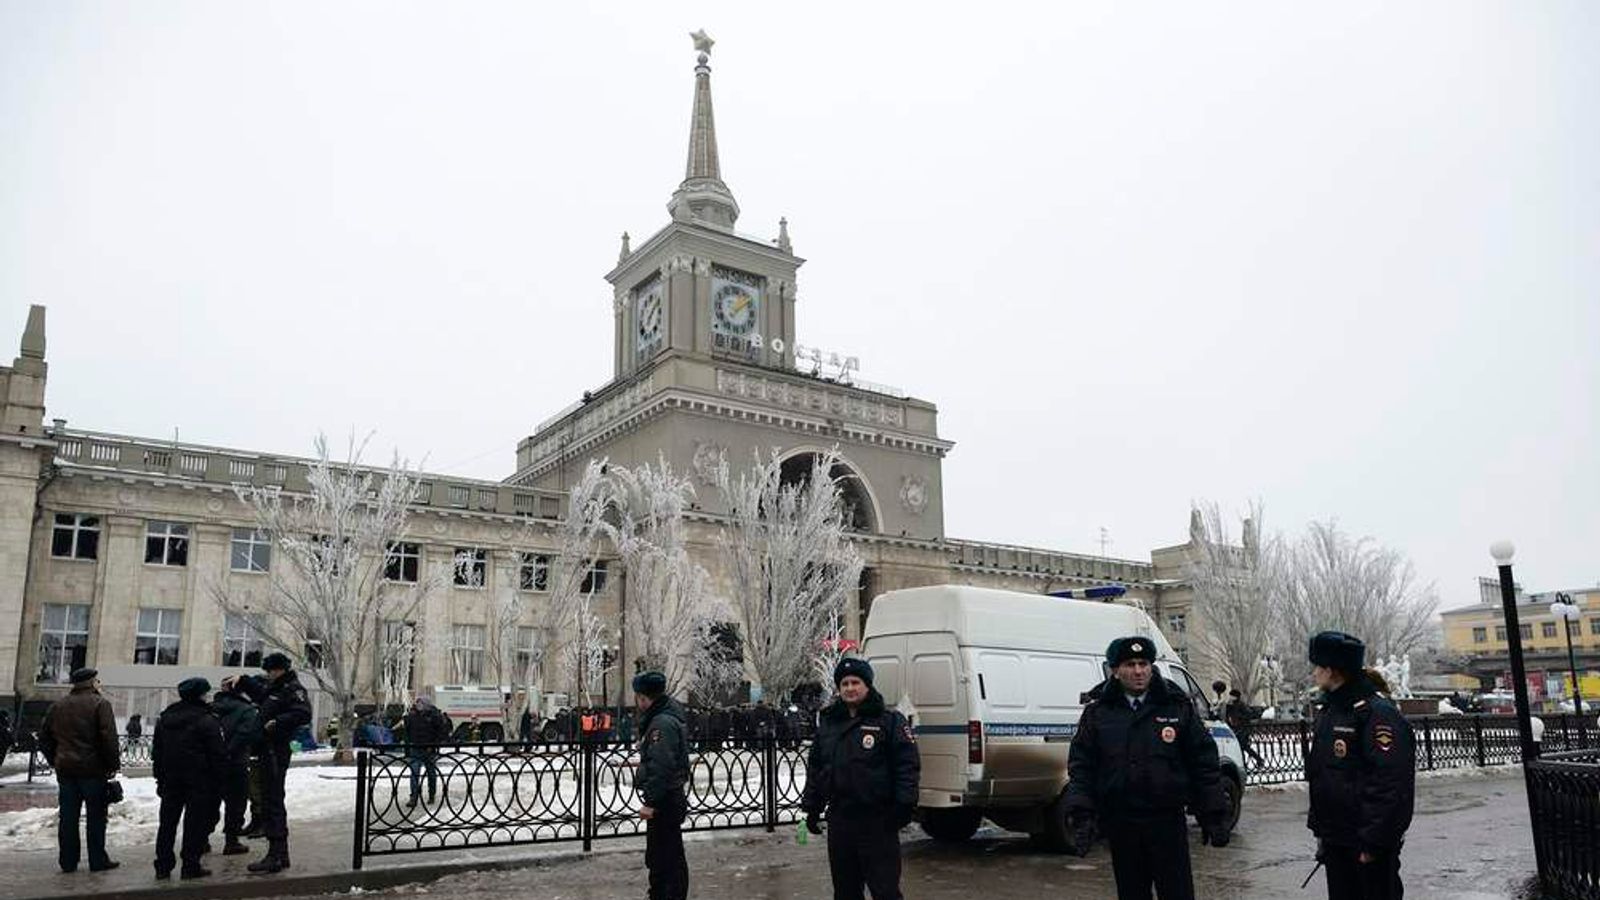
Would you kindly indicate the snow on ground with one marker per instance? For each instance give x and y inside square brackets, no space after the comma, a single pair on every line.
[312,792]
[1495,771]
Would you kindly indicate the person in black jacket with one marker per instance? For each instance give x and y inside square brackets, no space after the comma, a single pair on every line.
[283,708]
[1361,774]
[426,729]
[661,781]
[188,757]
[1140,755]
[1241,719]
[862,771]
[241,730]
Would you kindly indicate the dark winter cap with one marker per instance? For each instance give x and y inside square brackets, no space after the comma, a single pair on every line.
[275,662]
[850,665]
[1337,650]
[79,676]
[650,684]
[1123,649]
[193,688]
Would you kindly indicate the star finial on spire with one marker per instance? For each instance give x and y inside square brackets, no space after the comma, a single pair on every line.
[702,41]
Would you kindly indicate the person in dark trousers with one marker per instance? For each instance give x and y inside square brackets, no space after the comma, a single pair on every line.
[241,730]
[426,729]
[661,780]
[1239,717]
[1140,755]
[79,740]
[283,708]
[525,728]
[188,757]
[862,773]
[1361,775]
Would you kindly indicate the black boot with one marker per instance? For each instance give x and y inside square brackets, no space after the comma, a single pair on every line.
[196,872]
[276,860]
[234,848]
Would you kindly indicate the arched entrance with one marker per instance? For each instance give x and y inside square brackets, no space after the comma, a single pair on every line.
[860,510]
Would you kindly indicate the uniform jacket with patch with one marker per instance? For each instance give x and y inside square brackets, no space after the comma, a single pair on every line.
[663,752]
[189,749]
[241,725]
[1160,759]
[1361,771]
[866,764]
[283,704]
[79,735]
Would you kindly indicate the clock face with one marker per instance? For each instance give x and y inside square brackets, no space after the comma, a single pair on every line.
[734,306]
[648,319]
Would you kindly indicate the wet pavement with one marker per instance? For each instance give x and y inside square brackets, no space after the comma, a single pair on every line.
[1469,841]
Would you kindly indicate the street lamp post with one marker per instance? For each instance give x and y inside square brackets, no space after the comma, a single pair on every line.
[1503,551]
[1568,613]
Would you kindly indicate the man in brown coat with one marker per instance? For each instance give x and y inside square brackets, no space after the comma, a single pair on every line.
[79,740]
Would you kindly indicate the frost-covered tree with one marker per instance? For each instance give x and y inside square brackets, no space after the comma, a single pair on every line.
[791,566]
[829,651]
[326,597]
[1353,585]
[1237,587]
[670,611]
[568,616]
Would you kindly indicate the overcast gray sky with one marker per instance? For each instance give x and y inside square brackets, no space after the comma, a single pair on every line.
[1346,261]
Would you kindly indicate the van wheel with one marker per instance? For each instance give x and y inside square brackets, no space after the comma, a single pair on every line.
[1235,795]
[1055,834]
[493,733]
[951,826]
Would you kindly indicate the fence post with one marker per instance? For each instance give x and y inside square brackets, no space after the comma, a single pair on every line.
[1477,731]
[33,754]
[1427,740]
[360,842]
[769,766]
[586,807]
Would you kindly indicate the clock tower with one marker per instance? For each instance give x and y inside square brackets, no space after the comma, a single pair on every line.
[705,366]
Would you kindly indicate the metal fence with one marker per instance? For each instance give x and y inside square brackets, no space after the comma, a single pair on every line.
[494,795]
[1443,742]
[1565,789]
[135,755]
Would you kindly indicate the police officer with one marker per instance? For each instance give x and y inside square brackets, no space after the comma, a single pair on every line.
[187,759]
[663,773]
[283,708]
[1140,755]
[241,730]
[862,771]
[1361,773]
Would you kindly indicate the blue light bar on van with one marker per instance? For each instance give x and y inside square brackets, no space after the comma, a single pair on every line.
[1095,593]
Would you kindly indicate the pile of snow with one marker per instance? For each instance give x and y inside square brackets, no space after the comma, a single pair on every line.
[1460,772]
[310,793]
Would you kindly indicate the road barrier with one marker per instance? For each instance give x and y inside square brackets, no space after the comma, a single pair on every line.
[505,794]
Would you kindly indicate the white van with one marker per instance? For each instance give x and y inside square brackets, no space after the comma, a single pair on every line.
[994,682]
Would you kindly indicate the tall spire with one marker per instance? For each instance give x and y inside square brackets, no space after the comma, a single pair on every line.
[702,196]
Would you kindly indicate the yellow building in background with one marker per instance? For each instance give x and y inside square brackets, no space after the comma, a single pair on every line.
[1477,636]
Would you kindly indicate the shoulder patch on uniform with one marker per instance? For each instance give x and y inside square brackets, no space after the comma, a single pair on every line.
[1383,737]
[907,732]
[655,735]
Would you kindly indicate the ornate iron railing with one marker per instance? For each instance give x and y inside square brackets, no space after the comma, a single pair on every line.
[1565,790]
[1443,742]
[135,755]
[491,795]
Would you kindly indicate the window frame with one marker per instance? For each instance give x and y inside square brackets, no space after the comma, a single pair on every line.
[160,636]
[174,540]
[395,559]
[477,563]
[65,662]
[1548,630]
[595,578]
[256,543]
[76,528]
[252,642]
[533,572]
[1480,634]
[468,658]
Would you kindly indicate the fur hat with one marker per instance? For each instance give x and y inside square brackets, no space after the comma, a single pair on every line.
[193,688]
[275,662]
[650,684]
[1123,649]
[851,665]
[1337,650]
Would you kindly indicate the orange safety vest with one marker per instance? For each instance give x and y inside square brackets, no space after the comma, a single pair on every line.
[588,724]
[605,722]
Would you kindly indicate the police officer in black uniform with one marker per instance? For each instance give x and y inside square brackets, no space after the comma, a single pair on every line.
[862,771]
[283,708]
[1362,775]
[1140,755]
[188,760]
[661,779]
